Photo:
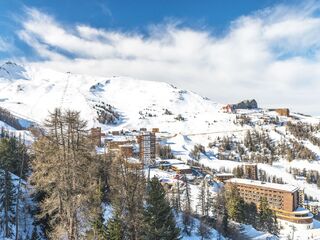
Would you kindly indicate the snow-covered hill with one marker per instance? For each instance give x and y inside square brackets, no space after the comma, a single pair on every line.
[184,118]
[33,92]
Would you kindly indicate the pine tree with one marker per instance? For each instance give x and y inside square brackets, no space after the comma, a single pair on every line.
[99,230]
[220,213]
[114,229]
[267,218]
[159,221]
[35,235]
[234,204]
[318,183]
[251,214]
[7,193]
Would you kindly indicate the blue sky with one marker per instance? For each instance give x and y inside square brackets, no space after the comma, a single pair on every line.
[226,50]
[127,15]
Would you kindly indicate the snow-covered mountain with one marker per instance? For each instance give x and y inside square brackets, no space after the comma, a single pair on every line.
[184,118]
[33,92]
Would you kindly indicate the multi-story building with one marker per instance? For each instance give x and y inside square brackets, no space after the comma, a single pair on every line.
[147,147]
[282,198]
[312,206]
[126,150]
[301,197]
[250,171]
[222,177]
[96,135]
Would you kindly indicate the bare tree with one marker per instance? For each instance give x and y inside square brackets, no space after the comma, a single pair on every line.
[65,168]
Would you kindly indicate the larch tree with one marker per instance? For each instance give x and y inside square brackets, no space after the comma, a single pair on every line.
[187,220]
[202,199]
[127,191]
[65,168]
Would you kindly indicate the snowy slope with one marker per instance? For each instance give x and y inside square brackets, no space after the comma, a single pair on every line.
[33,92]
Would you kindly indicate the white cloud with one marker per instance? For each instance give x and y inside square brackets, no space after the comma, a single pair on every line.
[271,55]
[5,45]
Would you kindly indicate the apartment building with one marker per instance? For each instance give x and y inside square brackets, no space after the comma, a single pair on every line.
[282,198]
[96,135]
[147,147]
[222,177]
[250,171]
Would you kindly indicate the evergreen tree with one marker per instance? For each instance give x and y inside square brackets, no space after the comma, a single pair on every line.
[235,205]
[220,213]
[7,209]
[114,229]
[10,162]
[187,219]
[159,221]
[318,183]
[251,214]
[35,235]
[267,218]
[99,230]
[209,202]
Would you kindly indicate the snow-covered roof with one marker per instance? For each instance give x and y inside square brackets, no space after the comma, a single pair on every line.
[181,166]
[133,160]
[313,203]
[276,186]
[120,138]
[169,161]
[223,174]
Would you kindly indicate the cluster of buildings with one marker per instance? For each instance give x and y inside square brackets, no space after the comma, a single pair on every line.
[139,147]
[232,108]
[142,147]
[287,201]
[140,144]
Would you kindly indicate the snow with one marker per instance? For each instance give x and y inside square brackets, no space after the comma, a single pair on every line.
[26,205]
[254,234]
[194,234]
[181,166]
[30,93]
[47,89]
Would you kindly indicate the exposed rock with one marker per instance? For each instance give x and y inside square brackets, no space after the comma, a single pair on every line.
[246,104]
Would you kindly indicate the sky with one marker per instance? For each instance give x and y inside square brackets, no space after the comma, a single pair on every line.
[225,50]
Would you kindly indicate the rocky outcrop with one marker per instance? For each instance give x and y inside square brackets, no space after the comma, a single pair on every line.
[246,104]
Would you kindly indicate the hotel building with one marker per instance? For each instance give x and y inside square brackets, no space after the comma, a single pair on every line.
[283,199]
[147,147]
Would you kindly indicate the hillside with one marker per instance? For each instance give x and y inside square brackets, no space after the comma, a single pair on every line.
[184,118]
[140,103]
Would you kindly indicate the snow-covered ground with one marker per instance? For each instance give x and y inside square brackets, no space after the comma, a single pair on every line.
[31,93]
[26,205]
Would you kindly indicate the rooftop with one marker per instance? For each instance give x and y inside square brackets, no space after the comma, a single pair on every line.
[169,161]
[276,186]
[181,166]
[223,174]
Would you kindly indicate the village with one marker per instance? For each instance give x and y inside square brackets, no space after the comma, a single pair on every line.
[148,149]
